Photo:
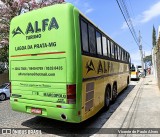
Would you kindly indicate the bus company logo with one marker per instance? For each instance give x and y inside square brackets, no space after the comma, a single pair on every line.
[33,30]
[17,31]
[90,66]
[101,67]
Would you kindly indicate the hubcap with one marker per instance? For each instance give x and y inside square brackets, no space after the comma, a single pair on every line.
[2,97]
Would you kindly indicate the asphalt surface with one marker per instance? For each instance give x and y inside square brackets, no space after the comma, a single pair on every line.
[139,114]
[12,119]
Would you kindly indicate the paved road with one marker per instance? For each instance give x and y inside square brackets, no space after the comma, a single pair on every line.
[139,113]
[12,119]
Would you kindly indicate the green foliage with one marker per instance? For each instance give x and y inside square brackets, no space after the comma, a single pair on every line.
[10,9]
[154,37]
[3,58]
[148,60]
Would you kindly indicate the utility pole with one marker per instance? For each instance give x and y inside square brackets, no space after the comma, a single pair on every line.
[145,65]
[141,53]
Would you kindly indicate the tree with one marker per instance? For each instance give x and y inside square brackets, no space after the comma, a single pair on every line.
[154,37]
[148,60]
[10,9]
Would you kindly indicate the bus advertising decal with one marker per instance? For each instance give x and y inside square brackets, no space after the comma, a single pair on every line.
[35,46]
[47,24]
[90,66]
[103,67]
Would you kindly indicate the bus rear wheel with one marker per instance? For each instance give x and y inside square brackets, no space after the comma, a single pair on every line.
[127,83]
[114,93]
[107,98]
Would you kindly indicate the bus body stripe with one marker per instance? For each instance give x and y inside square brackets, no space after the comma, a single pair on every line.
[38,54]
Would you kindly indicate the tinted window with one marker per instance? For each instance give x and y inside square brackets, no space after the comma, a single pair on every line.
[112,49]
[116,52]
[92,42]
[124,56]
[109,48]
[127,57]
[120,54]
[3,86]
[99,45]
[84,36]
[104,46]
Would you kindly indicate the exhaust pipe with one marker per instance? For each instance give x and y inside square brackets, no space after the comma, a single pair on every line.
[63,117]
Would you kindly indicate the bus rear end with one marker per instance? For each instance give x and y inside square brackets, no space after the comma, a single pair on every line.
[43,60]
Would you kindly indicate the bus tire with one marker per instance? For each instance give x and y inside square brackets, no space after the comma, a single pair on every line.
[107,98]
[127,83]
[114,93]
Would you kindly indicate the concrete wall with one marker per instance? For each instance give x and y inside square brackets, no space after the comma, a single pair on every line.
[158,61]
[158,68]
[4,78]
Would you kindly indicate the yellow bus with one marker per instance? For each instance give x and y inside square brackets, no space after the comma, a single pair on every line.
[62,66]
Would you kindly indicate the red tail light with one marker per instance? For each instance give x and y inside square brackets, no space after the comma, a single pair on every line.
[71,94]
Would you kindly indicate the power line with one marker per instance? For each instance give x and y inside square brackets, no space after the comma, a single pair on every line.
[125,13]
[125,10]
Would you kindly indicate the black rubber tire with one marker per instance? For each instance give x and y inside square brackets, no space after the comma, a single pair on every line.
[114,93]
[2,97]
[107,98]
[128,81]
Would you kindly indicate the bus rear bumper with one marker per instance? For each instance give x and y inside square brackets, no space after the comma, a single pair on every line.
[62,114]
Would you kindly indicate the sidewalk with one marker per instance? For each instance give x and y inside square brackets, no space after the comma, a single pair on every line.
[141,109]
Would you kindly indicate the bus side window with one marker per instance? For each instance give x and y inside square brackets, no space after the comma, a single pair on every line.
[109,47]
[84,36]
[125,56]
[119,53]
[116,51]
[122,54]
[104,46]
[92,41]
[112,49]
[99,44]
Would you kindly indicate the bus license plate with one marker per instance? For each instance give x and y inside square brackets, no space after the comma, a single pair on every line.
[36,110]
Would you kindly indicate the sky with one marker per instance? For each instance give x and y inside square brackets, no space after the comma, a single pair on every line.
[107,16]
